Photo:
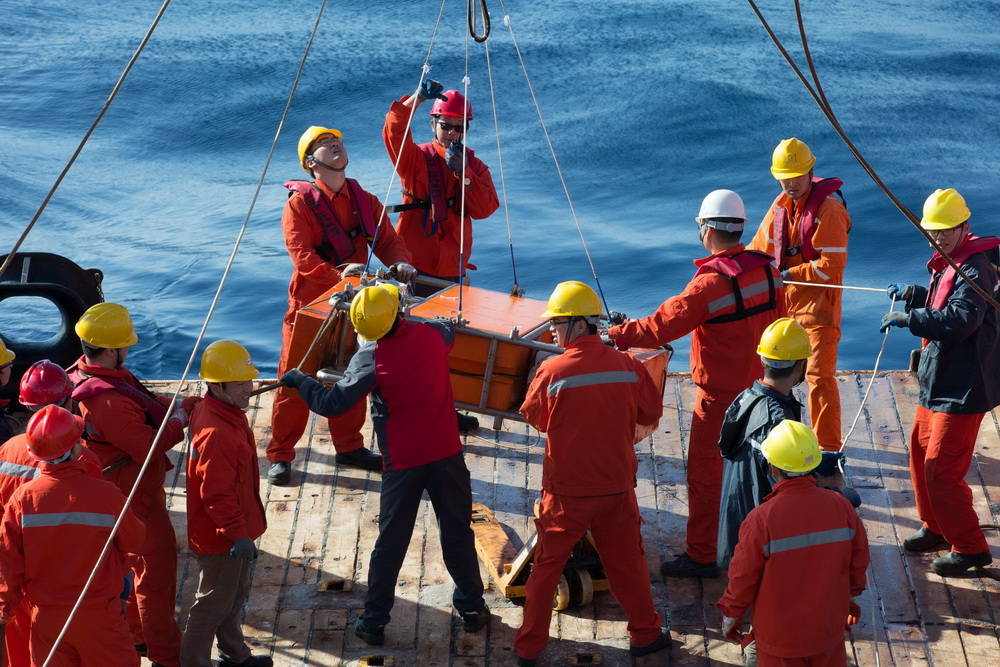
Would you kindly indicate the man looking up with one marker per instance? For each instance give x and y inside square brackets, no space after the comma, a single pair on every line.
[329,225]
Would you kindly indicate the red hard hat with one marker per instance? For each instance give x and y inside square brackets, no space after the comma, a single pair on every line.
[52,431]
[453,106]
[44,383]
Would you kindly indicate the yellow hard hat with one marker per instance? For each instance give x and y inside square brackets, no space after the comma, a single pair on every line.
[784,342]
[227,361]
[6,356]
[791,446]
[106,325]
[791,159]
[944,209]
[307,139]
[573,299]
[374,309]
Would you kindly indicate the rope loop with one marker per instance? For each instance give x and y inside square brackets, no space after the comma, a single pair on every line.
[473,11]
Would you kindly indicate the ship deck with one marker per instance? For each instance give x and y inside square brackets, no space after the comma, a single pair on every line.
[310,580]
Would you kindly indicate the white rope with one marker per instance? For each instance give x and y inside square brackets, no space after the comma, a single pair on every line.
[870,383]
[197,344]
[831,286]
[548,139]
[503,182]
[86,136]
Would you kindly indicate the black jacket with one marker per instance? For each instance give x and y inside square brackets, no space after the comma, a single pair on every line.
[745,476]
[958,369]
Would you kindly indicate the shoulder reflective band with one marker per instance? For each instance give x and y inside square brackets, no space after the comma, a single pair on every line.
[19,470]
[67,518]
[808,540]
[588,379]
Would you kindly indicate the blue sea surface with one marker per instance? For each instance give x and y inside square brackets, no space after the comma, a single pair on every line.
[649,104]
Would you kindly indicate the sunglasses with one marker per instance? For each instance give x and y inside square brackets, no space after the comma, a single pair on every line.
[449,127]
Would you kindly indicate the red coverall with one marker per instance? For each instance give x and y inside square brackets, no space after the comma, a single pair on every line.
[800,558]
[724,362]
[816,308]
[588,401]
[312,276]
[223,505]
[53,531]
[435,248]
[120,429]
[17,467]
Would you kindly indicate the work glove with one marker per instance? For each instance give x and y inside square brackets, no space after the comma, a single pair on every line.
[244,549]
[899,291]
[786,274]
[607,340]
[189,402]
[293,378]
[616,317]
[430,89]
[894,319]
[731,629]
[180,416]
[453,156]
[853,614]
[403,272]
[352,270]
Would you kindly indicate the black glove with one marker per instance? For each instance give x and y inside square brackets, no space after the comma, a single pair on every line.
[606,339]
[243,548]
[293,378]
[453,156]
[616,317]
[901,291]
[431,89]
[894,319]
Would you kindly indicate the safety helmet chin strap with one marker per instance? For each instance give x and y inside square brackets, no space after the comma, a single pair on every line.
[323,164]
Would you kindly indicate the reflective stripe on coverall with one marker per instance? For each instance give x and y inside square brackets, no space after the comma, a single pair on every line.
[312,275]
[818,309]
[588,401]
[724,362]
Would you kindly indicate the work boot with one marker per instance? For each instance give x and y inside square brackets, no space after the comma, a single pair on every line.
[371,636]
[141,649]
[473,621]
[925,540]
[280,473]
[360,458]
[252,661]
[525,662]
[467,424]
[685,566]
[956,563]
[662,642]
[830,464]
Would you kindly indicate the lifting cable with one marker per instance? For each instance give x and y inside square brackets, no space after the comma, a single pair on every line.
[197,344]
[406,135]
[548,139]
[820,98]
[79,148]
[471,13]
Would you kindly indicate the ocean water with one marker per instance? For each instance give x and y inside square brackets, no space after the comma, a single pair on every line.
[650,104]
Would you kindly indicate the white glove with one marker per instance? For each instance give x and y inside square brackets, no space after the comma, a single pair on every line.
[352,270]
[730,630]
[180,416]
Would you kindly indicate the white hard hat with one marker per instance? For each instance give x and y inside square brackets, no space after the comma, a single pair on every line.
[723,204]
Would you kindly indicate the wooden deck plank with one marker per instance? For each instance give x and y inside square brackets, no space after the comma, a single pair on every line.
[325,526]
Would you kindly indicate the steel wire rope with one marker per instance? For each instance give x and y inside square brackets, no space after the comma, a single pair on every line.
[471,13]
[86,137]
[548,139]
[516,289]
[197,344]
[406,132]
[462,177]
[821,102]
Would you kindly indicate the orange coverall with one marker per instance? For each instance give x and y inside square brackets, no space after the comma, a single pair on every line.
[17,468]
[53,531]
[801,557]
[436,251]
[121,430]
[311,277]
[724,362]
[816,308]
[588,401]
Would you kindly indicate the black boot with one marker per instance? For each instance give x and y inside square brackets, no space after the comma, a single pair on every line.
[280,473]
[360,458]
[925,541]
[955,563]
